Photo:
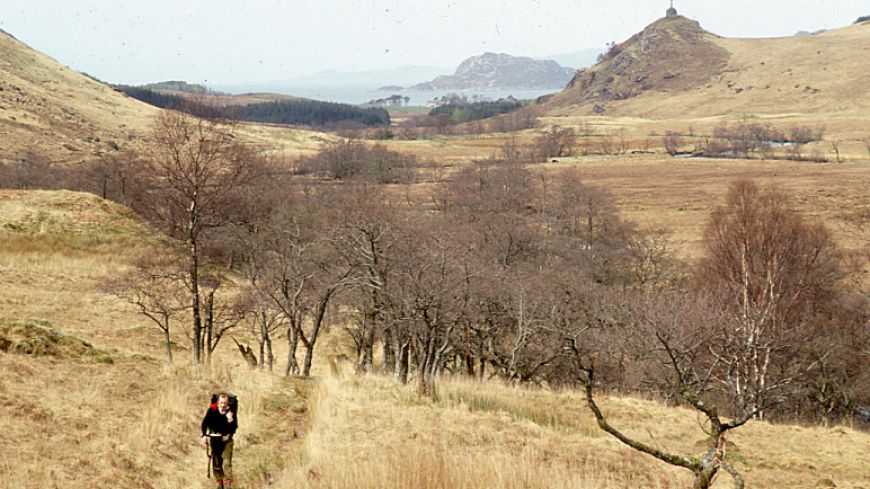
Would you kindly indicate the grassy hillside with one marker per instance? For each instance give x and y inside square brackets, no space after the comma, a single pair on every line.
[675,69]
[53,110]
[118,415]
[89,401]
[49,109]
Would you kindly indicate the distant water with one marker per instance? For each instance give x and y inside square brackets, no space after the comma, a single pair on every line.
[360,95]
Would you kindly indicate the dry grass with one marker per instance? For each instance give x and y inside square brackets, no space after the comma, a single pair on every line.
[134,423]
[69,421]
[371,433]
[678,195]
[72,423]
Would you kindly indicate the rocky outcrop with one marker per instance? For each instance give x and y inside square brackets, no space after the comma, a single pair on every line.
[671,54]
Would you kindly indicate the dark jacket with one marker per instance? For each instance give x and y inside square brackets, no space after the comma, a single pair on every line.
[215,422]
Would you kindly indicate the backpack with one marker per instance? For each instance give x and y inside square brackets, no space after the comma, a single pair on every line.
[233,403]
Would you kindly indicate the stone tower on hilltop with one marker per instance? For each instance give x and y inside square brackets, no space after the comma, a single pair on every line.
[672,12]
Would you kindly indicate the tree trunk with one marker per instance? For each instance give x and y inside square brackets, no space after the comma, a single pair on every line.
[270,357]
[704,478]
[195,301]
[309,355]
[292,343]
[262,344]
[426,367]
[368,363]
[402,350]
[316,327]
[389,356]
[209,327]
[168,340]
[469,365]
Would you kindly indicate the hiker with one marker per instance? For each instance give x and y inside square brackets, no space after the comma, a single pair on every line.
[218,427]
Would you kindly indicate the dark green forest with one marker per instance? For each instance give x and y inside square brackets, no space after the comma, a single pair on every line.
[460,110]
[293,112]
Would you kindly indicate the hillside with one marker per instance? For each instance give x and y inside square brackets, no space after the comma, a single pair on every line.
[122,417]
[52,110]
[676,69]
[501,71]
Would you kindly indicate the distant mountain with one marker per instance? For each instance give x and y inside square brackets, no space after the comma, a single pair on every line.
[577,59]
[179,86]
[491,71]
[402,76]
[808,33]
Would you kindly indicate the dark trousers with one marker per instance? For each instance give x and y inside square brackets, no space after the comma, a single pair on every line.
[222,458]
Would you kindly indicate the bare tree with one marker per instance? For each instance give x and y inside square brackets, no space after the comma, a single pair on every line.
[114,176]
[222,310]
[835,145]
[427,294]
[672,142]
[651,263]
[154,286]
[558,141]
[193,183]
[586,133]
[264,319]
[622,141]
[293,265]
[770,270]
[588,229]
[364,232]
[677,333]
[605,144]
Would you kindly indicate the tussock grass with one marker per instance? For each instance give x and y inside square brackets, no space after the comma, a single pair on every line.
[134,424]
[38,338]
[371,433]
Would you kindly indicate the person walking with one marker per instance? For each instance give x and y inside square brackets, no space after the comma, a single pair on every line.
[218,427]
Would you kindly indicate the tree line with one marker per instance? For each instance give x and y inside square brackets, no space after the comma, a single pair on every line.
[460,110]
[292,112]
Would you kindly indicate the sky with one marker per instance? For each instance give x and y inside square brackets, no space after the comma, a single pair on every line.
[233,41]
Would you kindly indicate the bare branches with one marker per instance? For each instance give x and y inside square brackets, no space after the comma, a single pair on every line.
[770,270]
[154,287]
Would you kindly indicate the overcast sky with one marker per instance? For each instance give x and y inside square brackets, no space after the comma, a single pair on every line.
[230,41]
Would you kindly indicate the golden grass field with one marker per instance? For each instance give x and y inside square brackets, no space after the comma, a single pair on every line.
[657,191]
[73,421]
